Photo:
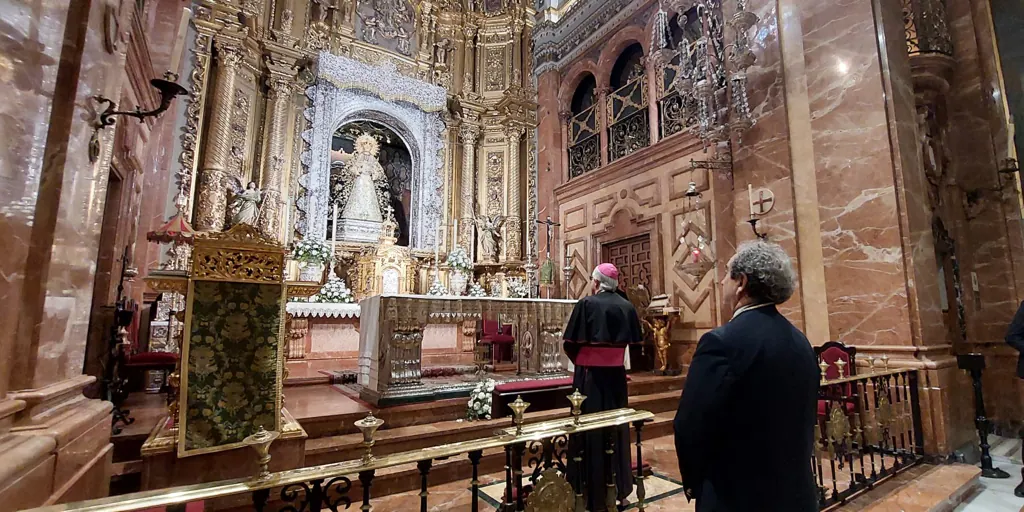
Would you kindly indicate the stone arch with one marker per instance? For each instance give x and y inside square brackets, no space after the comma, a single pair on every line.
[618,42]
[574,76]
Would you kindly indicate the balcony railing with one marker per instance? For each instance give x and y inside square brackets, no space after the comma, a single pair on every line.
[543,446]
[868,429]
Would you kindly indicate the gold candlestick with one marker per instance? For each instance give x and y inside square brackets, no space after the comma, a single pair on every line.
[824,368]
[260,441]
[368,426]
[871,363]
[842,365]
[576,399]
[518,408]
[885,362]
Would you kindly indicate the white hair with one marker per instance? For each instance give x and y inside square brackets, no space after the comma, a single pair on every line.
[769,271]
[606,283]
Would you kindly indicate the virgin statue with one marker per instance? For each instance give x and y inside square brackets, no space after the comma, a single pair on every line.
[363,173]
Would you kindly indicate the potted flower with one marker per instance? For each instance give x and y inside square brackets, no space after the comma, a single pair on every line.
[334,291]
[437,289]
[517,288]
[311,255]
[475,290]
[479,407]
[462,267]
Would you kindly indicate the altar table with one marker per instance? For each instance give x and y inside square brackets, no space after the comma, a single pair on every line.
[391,339]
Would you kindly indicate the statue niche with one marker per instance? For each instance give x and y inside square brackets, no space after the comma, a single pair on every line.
[370,184]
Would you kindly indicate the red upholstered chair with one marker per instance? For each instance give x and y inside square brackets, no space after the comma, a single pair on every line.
[499,338]
[829,353]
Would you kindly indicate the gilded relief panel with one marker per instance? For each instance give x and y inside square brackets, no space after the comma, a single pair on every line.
[390,24]
[495,69]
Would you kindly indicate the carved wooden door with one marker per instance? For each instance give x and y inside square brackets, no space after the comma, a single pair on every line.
[632,256]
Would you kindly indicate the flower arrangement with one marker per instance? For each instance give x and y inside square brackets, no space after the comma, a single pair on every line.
[311,251]
[334,291]
[458,260]
[480,401]
[517,288]
[437,289]
[475,290]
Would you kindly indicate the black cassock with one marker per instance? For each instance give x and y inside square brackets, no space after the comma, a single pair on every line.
[596,338]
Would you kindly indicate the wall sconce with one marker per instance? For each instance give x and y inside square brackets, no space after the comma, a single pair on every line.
[753,226]
[168,88]
[692,195]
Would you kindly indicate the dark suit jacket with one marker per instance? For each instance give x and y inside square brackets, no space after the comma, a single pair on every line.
[1015,337]
[744,430]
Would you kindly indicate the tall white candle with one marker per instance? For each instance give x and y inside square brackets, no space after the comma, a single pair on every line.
[750,199]
[334,232]
[179,41]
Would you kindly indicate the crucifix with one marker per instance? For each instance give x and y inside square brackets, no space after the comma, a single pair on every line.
[763,203]
[548,223]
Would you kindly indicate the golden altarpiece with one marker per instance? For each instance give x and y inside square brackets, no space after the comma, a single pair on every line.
[272,83]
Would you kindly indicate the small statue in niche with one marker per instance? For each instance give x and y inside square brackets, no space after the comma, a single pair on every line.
[441,52]
[490,235]
[245,205]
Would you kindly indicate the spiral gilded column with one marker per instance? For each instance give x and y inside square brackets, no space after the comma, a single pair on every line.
[279,98]
[513,223]
[470,134]
[212,201]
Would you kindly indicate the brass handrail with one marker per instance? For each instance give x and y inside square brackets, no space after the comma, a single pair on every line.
[211,490]
[866,376]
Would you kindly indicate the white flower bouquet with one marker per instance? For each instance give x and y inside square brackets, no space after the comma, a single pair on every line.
[475,290]
[334,291]
[458,260]
[437,289]
[480,401]
[309,250]
[517,288]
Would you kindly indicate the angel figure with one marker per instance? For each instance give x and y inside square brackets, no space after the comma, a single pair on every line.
[245,204]
[660,330]
[490,235]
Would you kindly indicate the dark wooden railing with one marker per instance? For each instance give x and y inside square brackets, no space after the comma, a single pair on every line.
[868,429]
[544,447]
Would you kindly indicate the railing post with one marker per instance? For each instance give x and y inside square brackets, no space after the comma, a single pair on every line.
[611,498]
[641,491]
[474,459]
[366,478]
[424,467]
[915,408]
[259,499]
[508,478]
[580,484]
[517,473]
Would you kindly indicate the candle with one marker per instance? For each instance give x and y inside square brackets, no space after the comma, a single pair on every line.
[750,199]
[334,232]
[179,41]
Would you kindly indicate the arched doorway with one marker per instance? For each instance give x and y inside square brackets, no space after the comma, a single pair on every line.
[396,160]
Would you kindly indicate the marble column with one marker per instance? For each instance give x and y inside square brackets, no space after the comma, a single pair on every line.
[211,204]
[603,123]
[470,134]
[652,71]
[273,184]
[513,223]
[469,58]
[565,123]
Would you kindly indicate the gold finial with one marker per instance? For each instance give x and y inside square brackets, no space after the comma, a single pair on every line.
[260,441]
[824,368]
[368,426]
[871,363]
[576,399]
[842,365]
[518,408]
[885,361]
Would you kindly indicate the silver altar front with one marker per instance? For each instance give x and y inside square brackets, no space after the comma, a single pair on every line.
[391,339]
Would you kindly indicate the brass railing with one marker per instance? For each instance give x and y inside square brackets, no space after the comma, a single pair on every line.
[331,486]
[868,429]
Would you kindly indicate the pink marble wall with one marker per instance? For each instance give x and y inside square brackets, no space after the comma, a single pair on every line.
[550,173]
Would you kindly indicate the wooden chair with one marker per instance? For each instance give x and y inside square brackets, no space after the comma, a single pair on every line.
[830,352]
[499,340]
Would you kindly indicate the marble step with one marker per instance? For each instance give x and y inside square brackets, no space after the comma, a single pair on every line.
[1006,449]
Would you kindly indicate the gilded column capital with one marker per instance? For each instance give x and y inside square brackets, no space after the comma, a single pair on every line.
[514,132]
[470,32]
[470,133]
[229,54]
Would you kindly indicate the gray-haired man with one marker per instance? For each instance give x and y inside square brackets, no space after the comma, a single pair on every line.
[751,391]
